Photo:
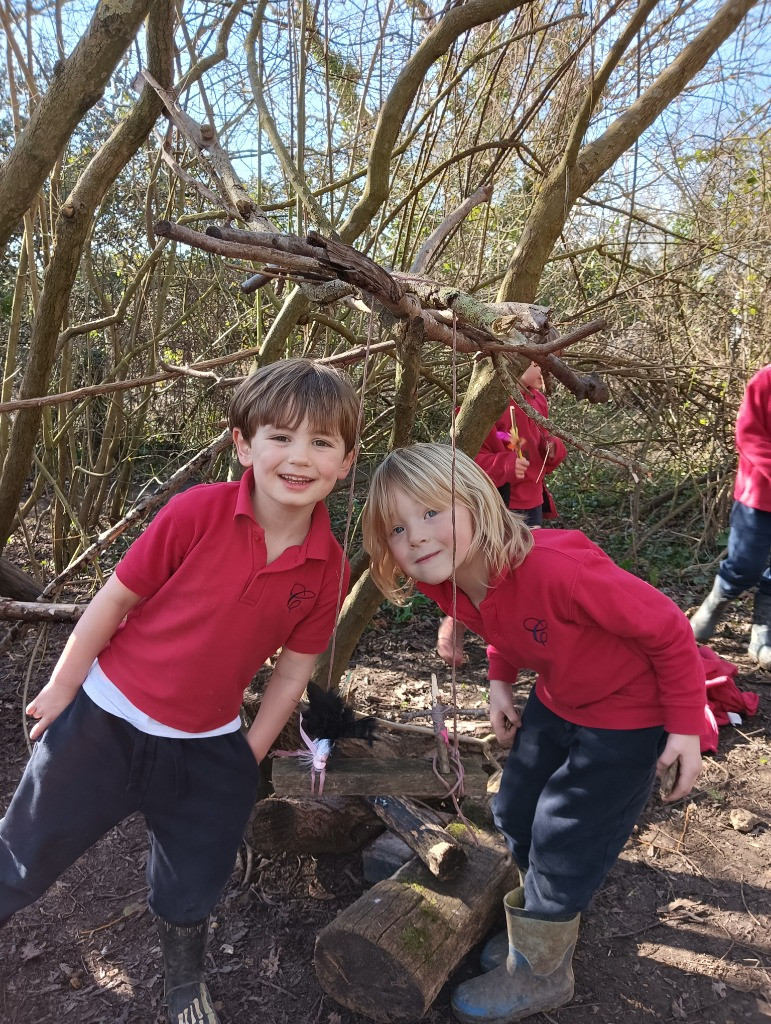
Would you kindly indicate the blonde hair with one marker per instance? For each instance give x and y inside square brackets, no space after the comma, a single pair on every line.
[284,393]
[424,473]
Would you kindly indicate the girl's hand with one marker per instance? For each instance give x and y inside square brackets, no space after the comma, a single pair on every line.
[48,705]
[504,716]
[684,751]
[521,468]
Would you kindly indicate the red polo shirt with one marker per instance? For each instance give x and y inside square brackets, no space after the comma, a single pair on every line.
[213,611]
[499,461]
[611,652]
[753,442]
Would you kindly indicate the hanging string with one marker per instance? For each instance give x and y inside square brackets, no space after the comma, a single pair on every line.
[453,681]
[456,790]
[351,491]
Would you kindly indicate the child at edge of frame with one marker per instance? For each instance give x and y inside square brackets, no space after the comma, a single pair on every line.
[619,699]
[141,712]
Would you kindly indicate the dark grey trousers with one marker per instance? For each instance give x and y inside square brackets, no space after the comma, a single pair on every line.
[90,770]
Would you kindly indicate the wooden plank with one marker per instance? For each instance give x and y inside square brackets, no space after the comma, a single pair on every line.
[354,776]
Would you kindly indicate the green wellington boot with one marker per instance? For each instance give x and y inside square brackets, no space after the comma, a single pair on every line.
[714,606]
[184,950]
[537,975]
[760,640]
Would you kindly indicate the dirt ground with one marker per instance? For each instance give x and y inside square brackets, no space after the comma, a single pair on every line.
[679,932]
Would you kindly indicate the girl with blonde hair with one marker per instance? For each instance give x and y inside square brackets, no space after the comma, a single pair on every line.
[619,698]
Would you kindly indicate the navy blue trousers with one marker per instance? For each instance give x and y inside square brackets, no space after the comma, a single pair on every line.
[568,801]
[90,770]
[749,548]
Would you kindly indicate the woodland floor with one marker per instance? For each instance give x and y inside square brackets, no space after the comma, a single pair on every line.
[681,930]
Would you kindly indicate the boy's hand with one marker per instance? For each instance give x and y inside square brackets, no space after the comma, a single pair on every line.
[521,468]
[684,751]
[48,705]
[504,716]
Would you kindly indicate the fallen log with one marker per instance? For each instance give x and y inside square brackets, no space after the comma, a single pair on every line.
[333,824]
[388,955]
[442,854]
[34,611]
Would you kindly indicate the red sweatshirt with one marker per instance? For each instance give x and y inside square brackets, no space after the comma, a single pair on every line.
[753,442]
[499,461]
[611,652]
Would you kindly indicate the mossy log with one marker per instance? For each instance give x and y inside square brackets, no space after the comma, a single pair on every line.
[442,854]
[388,955]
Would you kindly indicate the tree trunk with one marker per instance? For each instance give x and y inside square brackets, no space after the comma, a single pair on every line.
[388,955]
[73,225]
[17,584]
[568,181]
[77,84]
[358,608]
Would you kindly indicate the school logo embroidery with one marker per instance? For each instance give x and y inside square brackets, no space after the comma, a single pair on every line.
[297,595]
[538,627]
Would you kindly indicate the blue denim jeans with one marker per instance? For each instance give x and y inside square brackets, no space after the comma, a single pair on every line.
[749,548]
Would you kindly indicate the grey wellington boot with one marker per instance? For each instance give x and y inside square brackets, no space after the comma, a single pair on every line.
[712,610]
[537,975]
[184,950]
[760,640]
[496,950]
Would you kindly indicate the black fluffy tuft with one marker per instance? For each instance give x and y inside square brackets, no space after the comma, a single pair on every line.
[327,716]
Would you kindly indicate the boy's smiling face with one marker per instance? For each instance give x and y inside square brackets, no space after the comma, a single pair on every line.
[293,467]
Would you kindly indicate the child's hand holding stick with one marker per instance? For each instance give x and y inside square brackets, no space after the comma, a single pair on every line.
[678,766]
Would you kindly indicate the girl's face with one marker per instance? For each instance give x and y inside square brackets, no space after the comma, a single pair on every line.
[420,540]
[533,377]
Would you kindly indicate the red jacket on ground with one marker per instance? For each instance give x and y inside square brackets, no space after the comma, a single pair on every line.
[611,652]
[753,442]
[499,461]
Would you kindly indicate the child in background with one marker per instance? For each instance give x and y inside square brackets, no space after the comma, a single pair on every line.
[749,540]
[619,698]
[142,709]
[517,455]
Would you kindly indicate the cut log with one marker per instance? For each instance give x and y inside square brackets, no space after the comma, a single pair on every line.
[354,776]
[314,825]
[442,854]
[388,955]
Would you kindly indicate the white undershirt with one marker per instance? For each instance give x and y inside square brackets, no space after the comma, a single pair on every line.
[106,695]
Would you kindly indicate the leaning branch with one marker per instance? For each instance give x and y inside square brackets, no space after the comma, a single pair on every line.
[319,259]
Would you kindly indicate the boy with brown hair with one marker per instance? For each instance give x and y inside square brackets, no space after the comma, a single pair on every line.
[142,709]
